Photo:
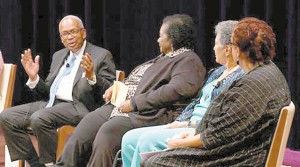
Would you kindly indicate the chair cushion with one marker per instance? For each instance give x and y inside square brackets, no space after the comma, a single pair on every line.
[291,158]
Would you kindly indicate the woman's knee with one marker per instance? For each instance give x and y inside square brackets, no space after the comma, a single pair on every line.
[108,137]
[129,139]
[105,137]
[148,138]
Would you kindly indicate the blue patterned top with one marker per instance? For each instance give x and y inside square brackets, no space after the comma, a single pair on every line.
[213,89]
[205,100]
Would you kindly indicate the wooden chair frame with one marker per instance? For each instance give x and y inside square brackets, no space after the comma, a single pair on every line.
[8,77]
[7,83]
[276,152]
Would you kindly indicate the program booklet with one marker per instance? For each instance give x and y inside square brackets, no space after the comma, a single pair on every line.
[119,93]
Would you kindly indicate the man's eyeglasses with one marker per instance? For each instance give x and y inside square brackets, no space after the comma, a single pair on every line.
[73,33]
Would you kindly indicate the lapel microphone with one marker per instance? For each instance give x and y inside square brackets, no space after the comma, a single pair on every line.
[66,59]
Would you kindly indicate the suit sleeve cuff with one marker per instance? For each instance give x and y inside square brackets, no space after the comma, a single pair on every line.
[32,84]
[133,104]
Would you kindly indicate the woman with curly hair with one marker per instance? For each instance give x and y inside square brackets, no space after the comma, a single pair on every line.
[238,126]
[154,138]
[154,86]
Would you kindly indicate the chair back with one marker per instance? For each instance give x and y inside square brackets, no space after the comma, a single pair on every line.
[7,82]
[276,152]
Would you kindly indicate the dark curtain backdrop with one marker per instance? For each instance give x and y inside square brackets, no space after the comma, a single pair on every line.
[129,29]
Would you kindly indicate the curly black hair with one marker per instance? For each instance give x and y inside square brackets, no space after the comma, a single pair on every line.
[181,31]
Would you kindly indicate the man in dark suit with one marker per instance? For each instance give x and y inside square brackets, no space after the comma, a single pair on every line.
[79,75]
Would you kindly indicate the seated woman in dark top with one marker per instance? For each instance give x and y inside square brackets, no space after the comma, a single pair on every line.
[238,125]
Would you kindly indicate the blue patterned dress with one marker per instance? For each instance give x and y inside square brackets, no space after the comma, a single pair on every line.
[209,92]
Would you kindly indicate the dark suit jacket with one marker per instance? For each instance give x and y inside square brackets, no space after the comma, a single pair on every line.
[85,97]
[167,81]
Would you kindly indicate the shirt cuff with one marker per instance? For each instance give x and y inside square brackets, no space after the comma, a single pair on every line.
[93,81]
[32,84]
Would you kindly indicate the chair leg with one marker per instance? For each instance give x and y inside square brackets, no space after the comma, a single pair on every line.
[22,163]
[64,133]
[117,159]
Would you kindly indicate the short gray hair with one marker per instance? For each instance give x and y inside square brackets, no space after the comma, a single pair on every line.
[225,29]
[80,24]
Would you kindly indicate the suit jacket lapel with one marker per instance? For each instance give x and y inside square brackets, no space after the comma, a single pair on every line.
[78,75]
[80,70]
[60,61]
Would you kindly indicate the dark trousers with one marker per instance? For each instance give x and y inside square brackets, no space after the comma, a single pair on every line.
[95,140]
[44,122]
